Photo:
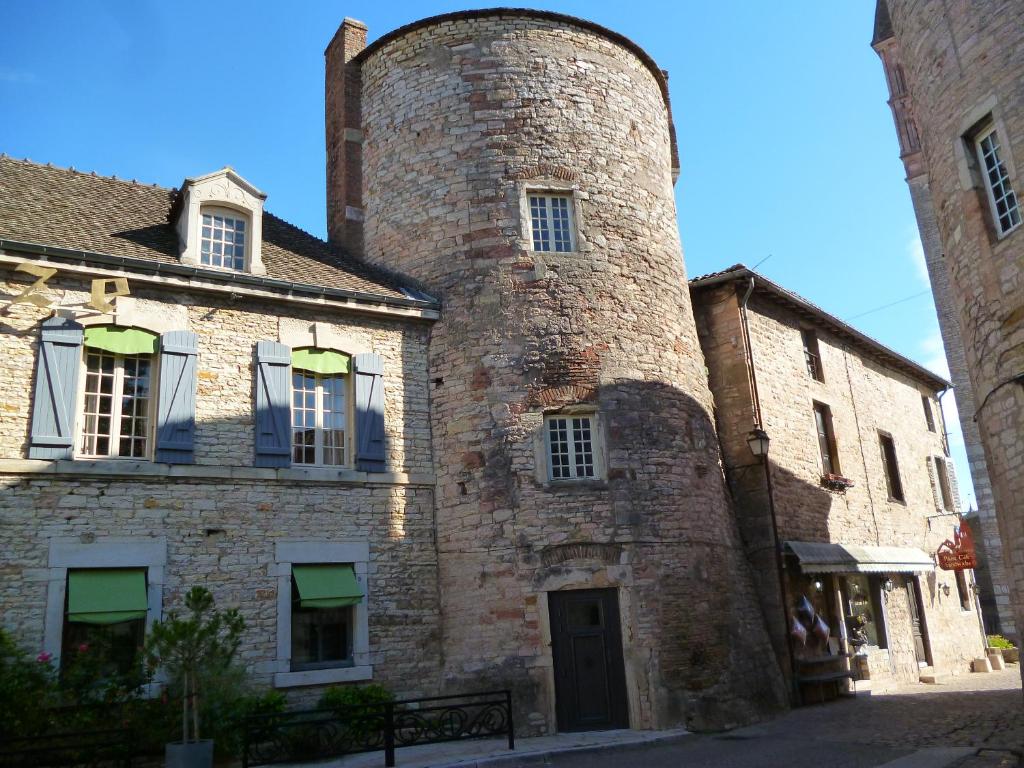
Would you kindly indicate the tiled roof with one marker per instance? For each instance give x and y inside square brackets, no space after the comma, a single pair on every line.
[883,24]
[833,323]
[65,208]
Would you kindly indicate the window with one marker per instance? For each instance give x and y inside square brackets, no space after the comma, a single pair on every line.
[892,469]
[929,417]
[942,476]
[551,222]
[862,595]
[117,399]
[1001,197]
[812,356]
[322,613]
[322,627]
[105,617]
[963,591]
[570,443]
[222,240]
[826,439]
[319,415]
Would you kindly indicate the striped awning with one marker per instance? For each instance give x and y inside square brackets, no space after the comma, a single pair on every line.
[818,557]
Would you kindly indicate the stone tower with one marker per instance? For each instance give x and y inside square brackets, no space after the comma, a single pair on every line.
[444,137]
[962,71]
[990,573]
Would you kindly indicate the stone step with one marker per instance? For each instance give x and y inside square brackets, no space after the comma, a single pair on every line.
[929,676]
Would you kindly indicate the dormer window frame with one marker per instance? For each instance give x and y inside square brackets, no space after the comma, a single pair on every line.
[215,211]
[226,192]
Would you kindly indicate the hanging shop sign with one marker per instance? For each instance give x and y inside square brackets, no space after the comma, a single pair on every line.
[958,554]
[103,290]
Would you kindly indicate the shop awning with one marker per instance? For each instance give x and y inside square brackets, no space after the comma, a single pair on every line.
[326,586]
[122,341]
[816,557]
[107,596]
[325,361]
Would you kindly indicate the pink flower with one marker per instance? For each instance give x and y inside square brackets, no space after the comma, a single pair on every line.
[83,648]
[44,657]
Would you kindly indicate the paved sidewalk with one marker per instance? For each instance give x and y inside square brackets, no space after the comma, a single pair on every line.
[495,752]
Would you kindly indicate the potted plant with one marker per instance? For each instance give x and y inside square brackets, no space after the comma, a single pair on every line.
[192,650]
[1009,652]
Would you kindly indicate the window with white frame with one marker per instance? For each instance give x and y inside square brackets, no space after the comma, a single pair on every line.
[222,239]
[117,405]
[571,446]
[1001,196]
[319,418]
[551,222]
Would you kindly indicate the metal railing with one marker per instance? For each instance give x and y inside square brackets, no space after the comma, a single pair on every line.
[97,748]
[320,733]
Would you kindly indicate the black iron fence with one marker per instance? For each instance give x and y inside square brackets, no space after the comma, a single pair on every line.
[96,748]
[318,734]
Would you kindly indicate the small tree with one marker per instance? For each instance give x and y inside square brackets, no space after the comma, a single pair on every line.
[194,649]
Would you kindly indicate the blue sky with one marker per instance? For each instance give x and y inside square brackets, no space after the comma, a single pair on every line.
[787,147]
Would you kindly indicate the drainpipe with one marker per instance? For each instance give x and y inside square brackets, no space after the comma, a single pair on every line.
[752,375]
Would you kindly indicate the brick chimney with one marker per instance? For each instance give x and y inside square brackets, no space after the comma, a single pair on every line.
[342,101]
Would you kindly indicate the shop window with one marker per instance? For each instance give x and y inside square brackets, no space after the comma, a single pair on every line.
[826,440]
[862,596]
[812,355]
[105,617]
[963,590]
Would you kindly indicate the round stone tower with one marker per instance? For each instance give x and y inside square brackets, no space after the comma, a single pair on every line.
[520,165]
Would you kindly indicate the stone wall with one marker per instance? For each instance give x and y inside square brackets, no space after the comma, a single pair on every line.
[964,64]
[460,119]
[221,517]
[865,396]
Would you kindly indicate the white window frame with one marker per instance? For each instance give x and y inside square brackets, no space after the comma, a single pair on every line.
[299,552]
[596,446]
[991,131]
[547,196]
[227,213]
[115,410]
[107,552]
[318,440]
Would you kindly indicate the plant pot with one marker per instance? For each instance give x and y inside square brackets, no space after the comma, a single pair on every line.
[191,754]
[1011,655]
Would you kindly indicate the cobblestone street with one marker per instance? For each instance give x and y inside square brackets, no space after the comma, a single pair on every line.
[916,725]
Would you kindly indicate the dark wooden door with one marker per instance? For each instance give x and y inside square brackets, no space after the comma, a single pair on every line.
[916,628]
[586,645]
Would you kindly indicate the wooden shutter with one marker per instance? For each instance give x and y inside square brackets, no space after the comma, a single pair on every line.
[369,370]
[53,408]
[176,415]
[273,404]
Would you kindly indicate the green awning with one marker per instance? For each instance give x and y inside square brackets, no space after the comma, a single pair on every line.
[122,341]
[104,596]
[320,360]
[326,586]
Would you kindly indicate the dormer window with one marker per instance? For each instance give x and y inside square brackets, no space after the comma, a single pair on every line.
[222,239]
[219,220]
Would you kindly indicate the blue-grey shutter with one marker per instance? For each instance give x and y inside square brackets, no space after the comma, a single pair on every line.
[370,455]
[53,409]
[273,404]
[176,414]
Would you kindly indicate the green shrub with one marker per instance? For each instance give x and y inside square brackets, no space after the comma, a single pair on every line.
[28,688]
[359,708]
[998,641]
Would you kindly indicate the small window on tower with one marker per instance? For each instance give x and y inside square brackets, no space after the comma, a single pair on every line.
[572,443]
[1002,198]
[551,222]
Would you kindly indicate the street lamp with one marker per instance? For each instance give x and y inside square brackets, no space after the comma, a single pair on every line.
[758,441]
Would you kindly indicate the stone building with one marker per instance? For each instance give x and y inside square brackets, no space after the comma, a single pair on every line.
[516,484]
[520,165]
[859,490]
[991,572]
